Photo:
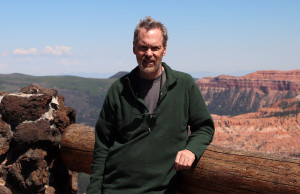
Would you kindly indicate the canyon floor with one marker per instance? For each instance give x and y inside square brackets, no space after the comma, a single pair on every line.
[273,130]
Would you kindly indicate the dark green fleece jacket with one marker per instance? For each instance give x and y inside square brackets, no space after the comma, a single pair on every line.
[134,151]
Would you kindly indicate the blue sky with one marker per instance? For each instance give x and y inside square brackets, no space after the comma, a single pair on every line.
[94,38]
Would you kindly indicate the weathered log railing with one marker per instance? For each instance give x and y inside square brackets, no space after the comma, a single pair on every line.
[219,170]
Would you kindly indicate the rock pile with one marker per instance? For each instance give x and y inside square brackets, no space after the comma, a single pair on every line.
[31,125]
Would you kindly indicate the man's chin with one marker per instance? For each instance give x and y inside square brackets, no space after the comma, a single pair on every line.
[147,69]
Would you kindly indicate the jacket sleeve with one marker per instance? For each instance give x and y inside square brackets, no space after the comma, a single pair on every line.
[103,141]
[201,123]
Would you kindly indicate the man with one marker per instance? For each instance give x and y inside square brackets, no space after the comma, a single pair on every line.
[141,135]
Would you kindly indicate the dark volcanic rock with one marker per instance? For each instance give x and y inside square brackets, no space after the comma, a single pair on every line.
[50,190]
[35,89]
[30,134]
[5,137]
[64,116]
[4,190]
[16,108]
[29,172]
[2,93]
[37,132]
[71,114]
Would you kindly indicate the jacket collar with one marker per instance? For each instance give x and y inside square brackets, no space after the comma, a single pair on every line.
[170,77]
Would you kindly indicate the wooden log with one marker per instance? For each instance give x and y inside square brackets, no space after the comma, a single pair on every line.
[219,169]
[77,147]
[223,170]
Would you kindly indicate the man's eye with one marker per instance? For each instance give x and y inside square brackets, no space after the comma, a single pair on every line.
[155,48]
[144,48]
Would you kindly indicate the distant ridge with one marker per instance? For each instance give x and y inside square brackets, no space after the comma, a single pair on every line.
[14,74]
[119,75]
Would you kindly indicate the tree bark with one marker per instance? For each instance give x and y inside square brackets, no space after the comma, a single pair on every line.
[77,147]
[222,170]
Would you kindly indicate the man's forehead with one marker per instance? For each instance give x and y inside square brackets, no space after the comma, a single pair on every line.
[151,30]
[153,35]
[145,42]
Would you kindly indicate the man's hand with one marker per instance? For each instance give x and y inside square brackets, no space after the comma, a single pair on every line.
[184,160]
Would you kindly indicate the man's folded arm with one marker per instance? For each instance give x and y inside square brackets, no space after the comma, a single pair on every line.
[201,124]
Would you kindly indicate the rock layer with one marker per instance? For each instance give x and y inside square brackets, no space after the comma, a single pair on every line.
[228,95]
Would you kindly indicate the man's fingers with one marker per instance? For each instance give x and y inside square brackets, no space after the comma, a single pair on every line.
[190,162]
[181,161]
[178,161]
[184,160]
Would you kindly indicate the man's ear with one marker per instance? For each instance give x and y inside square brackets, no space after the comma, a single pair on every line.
[165,50]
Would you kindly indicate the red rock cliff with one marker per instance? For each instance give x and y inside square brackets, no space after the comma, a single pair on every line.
[228,95]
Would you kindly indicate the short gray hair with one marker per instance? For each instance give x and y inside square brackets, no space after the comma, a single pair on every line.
[148,23]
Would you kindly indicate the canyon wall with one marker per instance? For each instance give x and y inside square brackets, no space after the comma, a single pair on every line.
[228,95]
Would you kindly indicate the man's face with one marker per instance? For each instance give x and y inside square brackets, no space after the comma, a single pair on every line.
[149,51]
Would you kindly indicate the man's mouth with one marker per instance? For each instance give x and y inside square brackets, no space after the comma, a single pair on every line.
[148,63]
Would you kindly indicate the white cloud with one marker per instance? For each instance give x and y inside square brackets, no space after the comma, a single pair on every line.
[57,51]
[48,50]
[31,51]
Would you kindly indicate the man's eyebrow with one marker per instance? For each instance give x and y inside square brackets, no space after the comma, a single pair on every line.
[155,45]
[152,46]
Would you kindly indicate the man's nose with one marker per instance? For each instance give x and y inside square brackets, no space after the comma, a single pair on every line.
[149,53]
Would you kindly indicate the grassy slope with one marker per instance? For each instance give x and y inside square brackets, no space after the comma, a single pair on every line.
[13,82]
[85,95]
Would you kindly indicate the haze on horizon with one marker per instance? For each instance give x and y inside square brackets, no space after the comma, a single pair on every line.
[92,38]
